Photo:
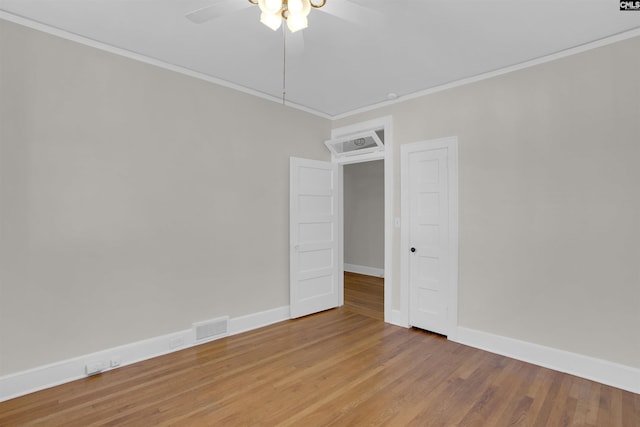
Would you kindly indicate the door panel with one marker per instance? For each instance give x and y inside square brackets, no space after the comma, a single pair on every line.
[429,237]
[316,281]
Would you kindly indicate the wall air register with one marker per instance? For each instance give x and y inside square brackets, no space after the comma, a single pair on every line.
[211,329]
[356,144]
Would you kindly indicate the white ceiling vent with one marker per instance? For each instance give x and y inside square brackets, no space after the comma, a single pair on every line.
[355,144]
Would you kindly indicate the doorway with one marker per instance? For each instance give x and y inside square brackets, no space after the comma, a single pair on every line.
[316,205]
[363,195]
[382,128]
[363,224]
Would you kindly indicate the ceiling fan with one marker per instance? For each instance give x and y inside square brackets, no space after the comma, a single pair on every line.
[347,10]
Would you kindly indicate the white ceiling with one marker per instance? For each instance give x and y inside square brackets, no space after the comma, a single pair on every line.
[354,52]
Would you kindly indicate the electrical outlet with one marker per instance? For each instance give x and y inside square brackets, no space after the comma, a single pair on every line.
[95,367]
[116,361]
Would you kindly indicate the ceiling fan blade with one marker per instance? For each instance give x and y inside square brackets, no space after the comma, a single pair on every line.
[352,12]
[216,10]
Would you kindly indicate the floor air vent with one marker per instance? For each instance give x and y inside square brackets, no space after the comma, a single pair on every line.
[211,329]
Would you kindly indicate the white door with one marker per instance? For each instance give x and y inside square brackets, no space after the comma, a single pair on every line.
[316,278]
[429,240]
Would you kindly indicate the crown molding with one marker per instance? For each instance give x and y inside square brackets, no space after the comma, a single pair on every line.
[38,26]
[201,76]
[488,75]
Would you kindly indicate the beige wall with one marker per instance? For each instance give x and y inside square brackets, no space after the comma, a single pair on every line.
[364,214]
[549,202]
[134,200]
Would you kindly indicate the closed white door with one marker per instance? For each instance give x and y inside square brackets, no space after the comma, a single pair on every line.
[428,239]
[316,280]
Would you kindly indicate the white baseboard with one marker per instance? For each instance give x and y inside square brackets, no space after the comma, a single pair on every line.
[361,269]
[602,371]
[237,325]
[21,383]
[605,372]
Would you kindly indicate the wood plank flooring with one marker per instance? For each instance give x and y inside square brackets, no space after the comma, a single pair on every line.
[338,368]
[364,295]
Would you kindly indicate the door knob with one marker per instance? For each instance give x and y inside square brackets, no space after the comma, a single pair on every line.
[413,249]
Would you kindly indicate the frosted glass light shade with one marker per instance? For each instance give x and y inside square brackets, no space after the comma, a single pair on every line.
[306,7]
[297,22]
[271,20]
[270,6]
[296,12]
[294,6]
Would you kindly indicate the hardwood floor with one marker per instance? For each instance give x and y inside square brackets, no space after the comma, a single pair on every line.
[339,368]
[364,295]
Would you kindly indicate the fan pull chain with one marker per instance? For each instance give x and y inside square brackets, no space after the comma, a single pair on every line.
[284,63]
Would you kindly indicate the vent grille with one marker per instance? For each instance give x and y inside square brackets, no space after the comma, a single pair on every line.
[211,329]
[361,143]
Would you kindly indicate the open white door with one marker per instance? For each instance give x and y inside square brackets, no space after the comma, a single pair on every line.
[316,279]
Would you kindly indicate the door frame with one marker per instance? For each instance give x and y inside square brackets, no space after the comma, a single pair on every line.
[386,123]
[451,144]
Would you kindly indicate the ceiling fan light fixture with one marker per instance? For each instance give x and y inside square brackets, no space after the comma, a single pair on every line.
[295,12]
[294,6]
[271,20]
[270,6]
[306,7]
[296,22]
